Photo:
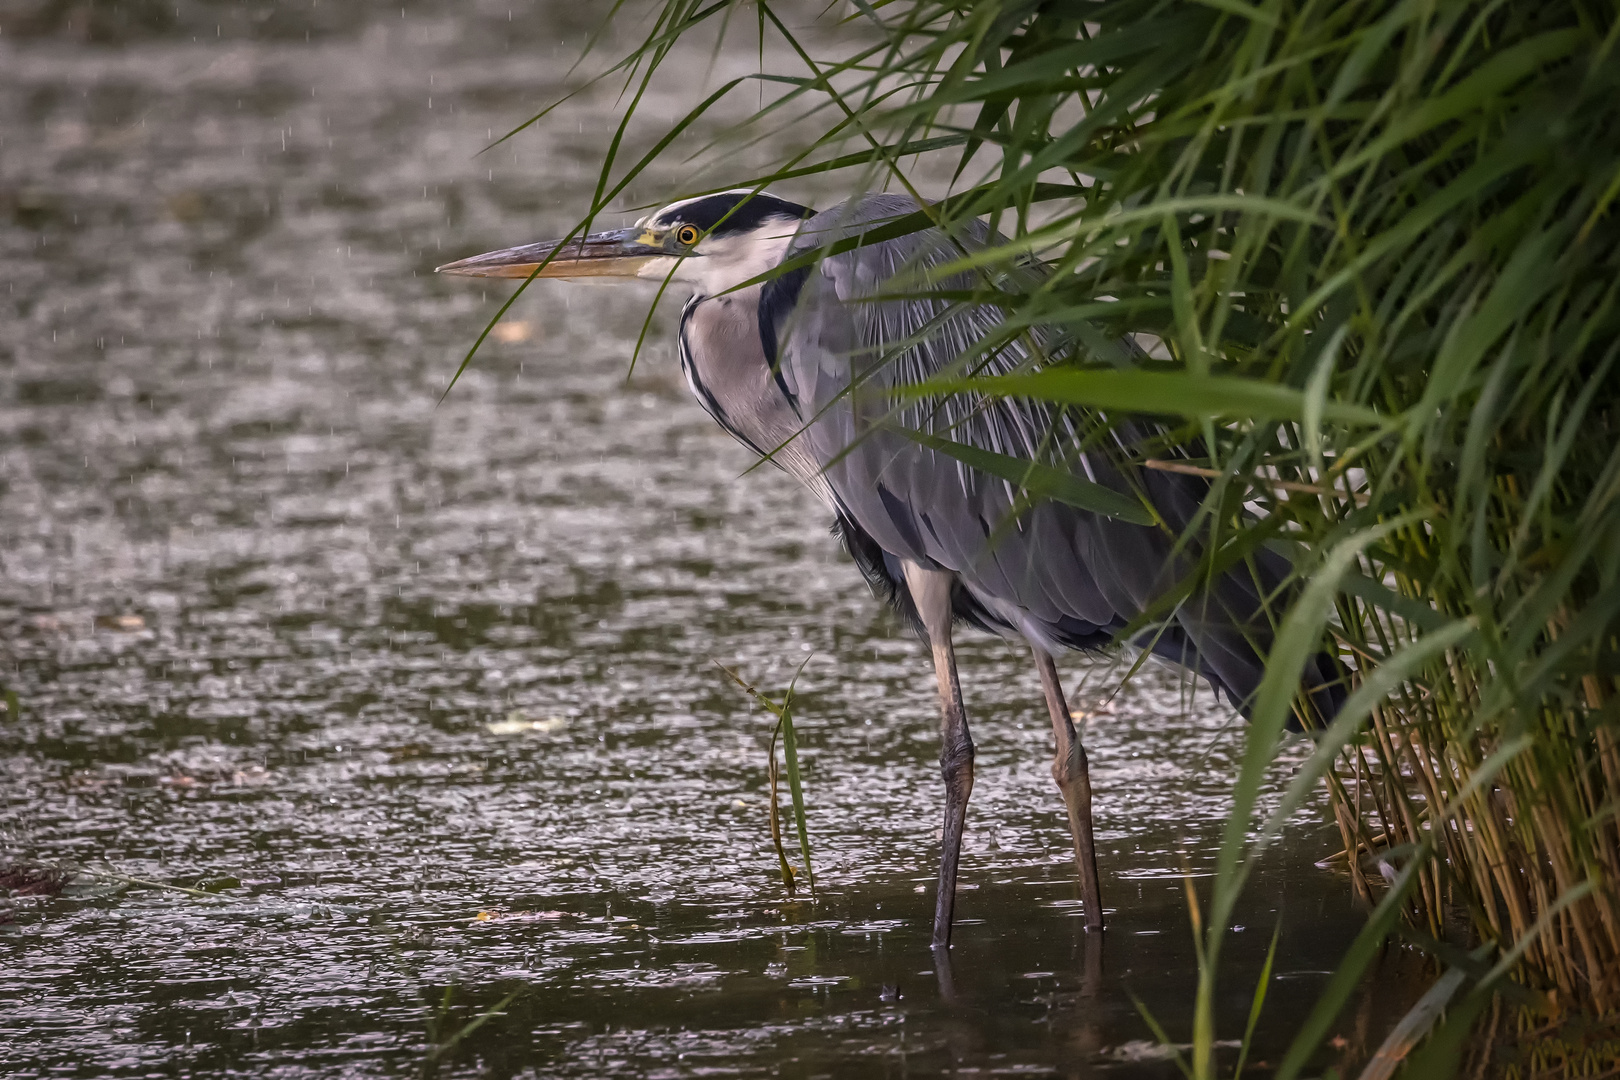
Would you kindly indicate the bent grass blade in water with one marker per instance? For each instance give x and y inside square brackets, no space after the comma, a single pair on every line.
[790,754]
[443,1046]
[1172,1048]
[783,711]
[776,815]
[66,872]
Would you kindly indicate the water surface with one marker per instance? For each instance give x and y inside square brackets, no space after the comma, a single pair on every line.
[425,691]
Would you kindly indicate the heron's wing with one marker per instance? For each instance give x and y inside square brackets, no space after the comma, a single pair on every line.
[1052,570]
[844,352]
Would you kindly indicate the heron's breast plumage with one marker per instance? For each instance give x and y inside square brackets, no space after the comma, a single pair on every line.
[724,362]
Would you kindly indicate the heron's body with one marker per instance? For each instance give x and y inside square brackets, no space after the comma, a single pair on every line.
[801,368]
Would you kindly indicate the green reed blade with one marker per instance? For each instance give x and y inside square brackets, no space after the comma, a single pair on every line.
[776,814]
[790,754]
[783,712]
[1040,480]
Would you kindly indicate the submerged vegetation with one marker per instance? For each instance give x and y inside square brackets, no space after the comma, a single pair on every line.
[1371,248]
[783,711]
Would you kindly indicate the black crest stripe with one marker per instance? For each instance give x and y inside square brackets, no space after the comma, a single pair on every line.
[777,298]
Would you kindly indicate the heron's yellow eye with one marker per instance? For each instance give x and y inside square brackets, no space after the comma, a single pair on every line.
[687,234]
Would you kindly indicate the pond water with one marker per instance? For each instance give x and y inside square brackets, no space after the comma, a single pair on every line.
[424,692]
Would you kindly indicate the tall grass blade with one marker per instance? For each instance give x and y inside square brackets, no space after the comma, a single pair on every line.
[783,711]
[790,755]
[1042,481]
[1150,392]
[776,814]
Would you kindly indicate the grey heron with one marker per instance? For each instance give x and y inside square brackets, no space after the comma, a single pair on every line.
[796,366]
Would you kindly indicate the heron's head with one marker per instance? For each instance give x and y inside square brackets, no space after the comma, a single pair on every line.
[712,242]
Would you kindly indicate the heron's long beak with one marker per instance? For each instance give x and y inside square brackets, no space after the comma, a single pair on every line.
[621,253]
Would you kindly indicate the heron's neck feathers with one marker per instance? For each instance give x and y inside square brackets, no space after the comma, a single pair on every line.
[725,262]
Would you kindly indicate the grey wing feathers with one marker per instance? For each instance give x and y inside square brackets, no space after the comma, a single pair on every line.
[1054,572]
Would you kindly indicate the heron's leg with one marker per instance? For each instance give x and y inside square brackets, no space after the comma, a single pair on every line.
[1073,775]
[931,592]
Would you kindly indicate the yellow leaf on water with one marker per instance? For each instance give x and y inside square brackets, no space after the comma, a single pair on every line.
[518,916]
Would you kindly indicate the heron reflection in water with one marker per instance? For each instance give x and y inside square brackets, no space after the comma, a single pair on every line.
[804,365]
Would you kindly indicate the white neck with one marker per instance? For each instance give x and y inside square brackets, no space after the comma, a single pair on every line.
[722,263]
